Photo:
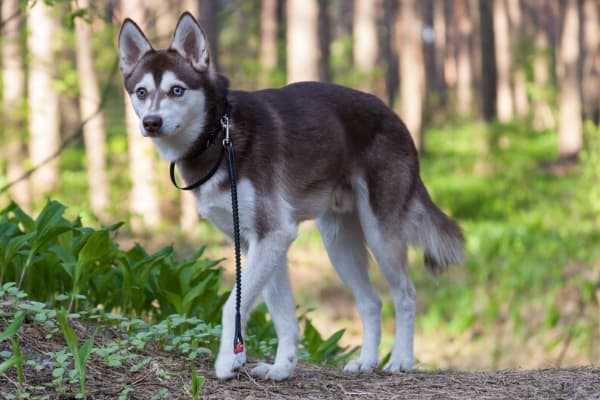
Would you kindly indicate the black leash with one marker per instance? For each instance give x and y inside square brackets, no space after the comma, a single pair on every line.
[227,148]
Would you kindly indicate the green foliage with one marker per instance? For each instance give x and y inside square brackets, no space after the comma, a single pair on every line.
[317,350]
[52,256]
[531,230]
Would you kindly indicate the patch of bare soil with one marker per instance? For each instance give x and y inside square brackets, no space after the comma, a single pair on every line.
[172,374]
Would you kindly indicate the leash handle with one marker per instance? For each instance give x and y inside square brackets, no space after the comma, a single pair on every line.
[238,340]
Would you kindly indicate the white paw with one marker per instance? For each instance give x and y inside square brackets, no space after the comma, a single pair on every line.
[396,366]
[356,366]
[226,365]
[272,371]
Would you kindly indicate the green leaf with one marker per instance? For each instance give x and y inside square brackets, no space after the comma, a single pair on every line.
[11,362]
[14,326]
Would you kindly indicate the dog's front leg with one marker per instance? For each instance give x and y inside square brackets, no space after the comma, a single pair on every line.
[264,256]
[282,307]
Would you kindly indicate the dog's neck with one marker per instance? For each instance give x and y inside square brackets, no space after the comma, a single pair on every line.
[202,156]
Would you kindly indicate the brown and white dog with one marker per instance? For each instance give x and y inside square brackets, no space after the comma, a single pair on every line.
[305,151]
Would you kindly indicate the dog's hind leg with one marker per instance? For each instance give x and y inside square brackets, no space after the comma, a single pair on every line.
[282,307]
[345,244]
[389,250]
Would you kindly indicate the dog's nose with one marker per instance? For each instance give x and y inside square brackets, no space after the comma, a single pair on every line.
[152,123]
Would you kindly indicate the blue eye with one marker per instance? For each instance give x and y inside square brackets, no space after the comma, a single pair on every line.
[141,93]
[176,91]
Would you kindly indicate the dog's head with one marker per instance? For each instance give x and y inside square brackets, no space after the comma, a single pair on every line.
[169,88]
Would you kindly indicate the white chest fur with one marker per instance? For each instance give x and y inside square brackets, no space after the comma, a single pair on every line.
[214,204]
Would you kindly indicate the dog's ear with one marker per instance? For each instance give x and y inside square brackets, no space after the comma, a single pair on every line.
[132,46]
[190,41]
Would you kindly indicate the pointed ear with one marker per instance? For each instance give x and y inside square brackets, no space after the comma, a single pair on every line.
[132,46]
[190,41]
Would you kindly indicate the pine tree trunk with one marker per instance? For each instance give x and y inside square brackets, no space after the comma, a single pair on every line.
[44,121]
[302,40]
[488,61]
[13,102]
[208,18]
[591,60]
[324,35]
[412,75]
[439,28]
[268,38]
[365,42]
[94,132]
[464,76]
[542,117]
[504,100]
[569,123]
[143,201]
[518,34]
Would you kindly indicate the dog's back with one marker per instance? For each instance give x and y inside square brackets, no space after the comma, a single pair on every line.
[320,143]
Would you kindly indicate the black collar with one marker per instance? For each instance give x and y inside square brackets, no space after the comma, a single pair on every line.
[214,134]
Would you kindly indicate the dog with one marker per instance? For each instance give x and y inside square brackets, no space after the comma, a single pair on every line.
[305,151]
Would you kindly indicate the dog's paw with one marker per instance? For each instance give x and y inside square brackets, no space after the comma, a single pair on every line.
[364,366]
[225,366]
[397,366]
[272,371]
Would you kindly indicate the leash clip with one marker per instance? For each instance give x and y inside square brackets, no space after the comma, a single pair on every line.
[225,125]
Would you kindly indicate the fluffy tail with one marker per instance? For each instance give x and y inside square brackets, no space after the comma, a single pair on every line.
[433,231]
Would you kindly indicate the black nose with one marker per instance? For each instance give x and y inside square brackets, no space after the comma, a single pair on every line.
[152,123]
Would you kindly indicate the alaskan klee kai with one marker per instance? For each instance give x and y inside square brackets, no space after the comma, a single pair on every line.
[305,151]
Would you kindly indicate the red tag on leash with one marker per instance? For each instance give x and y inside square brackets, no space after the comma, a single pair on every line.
[238,347]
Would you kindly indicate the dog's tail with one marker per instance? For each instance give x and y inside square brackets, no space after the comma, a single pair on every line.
[433,231]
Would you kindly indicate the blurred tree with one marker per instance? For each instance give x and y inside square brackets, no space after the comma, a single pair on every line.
[207,16]
[488,61]
[540,14]
[570,128]
[13,101]
[44,120]
[143,201]
[302,40]
[365,42]
[520,47]
[268,39]
[324,34]
[389,50]
[504,100]
[409,25]
[464,75]
[591,60]
[439,29]
[94,132]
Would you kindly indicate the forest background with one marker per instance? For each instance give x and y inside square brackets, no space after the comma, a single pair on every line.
[502,98]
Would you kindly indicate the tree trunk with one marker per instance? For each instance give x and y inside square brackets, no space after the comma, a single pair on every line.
[44,121]
[488,61]
[569,123]
[591,60]
[390,53]
[302,40]
[94,132]
[517,36]
[542,117]
[412,75]
[268,38]
[504,100]
[464,76]
[13,101]
[208,18]
[143,201]
[439,29]
[324,35]
[365,42]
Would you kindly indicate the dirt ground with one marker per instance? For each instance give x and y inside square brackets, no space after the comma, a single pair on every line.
[171,373]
